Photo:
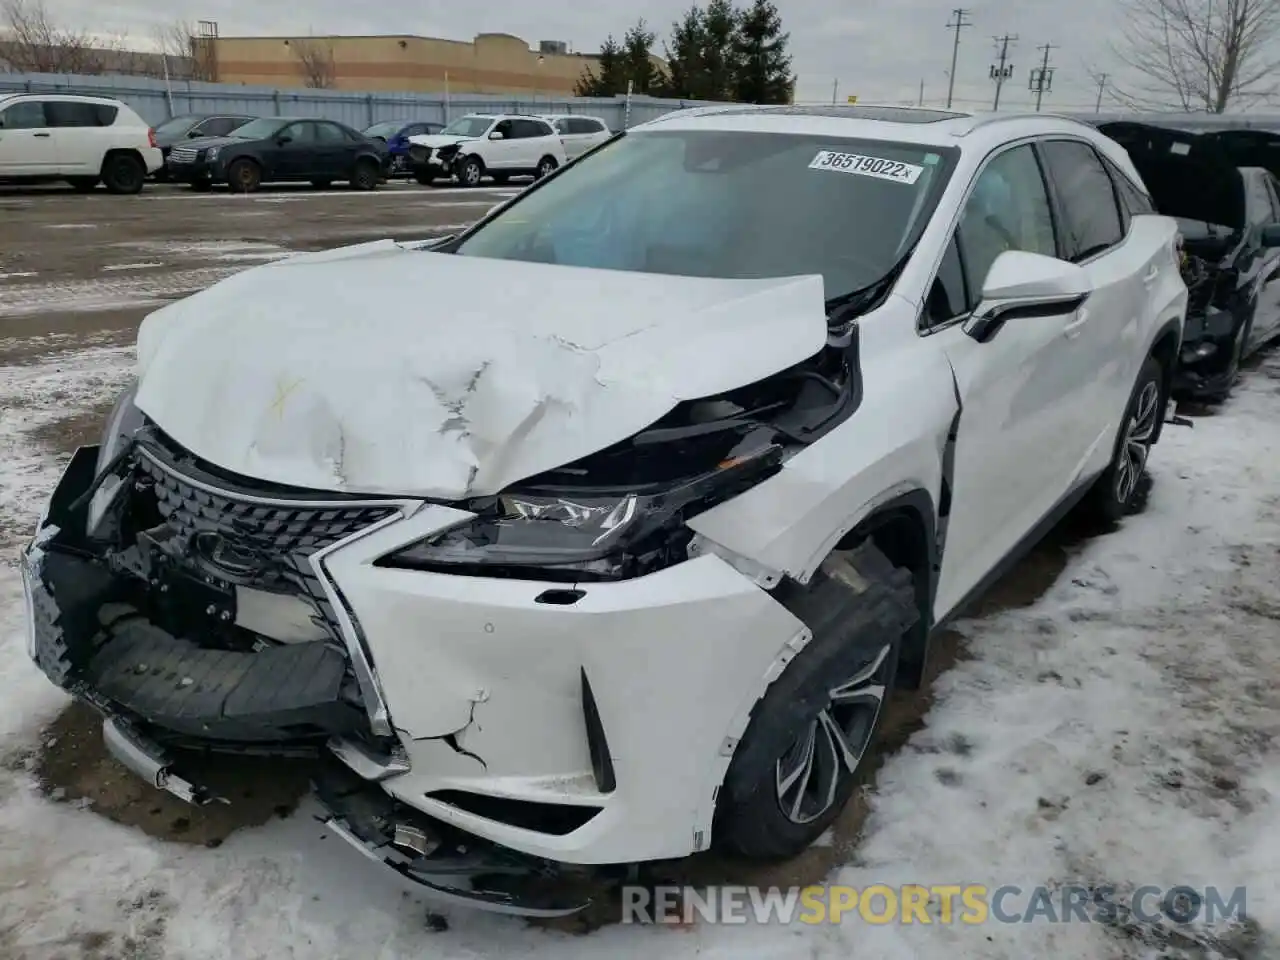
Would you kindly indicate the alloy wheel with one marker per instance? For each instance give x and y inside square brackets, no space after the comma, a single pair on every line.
[827,753]
[1136,446]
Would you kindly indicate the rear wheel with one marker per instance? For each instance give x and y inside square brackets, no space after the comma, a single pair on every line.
[366,176]
[244,176]
[798,762]
[123,173]
[546,167]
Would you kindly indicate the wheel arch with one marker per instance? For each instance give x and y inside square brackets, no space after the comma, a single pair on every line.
[1165,348]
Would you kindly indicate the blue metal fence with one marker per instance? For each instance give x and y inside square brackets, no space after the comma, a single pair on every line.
[156,100]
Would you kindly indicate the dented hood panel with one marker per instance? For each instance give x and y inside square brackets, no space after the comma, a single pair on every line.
[488,372]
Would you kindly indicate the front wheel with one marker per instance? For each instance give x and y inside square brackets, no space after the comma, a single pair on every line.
[244,176]
[546,167]
[799,760]
[366,176]
[470,172]
[1121,489]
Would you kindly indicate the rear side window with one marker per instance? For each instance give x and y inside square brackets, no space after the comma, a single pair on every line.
[68,113]
[27,115]
[1090,214]
[583,125]
[219,126]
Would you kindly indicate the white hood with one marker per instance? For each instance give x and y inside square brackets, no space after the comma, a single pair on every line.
[383,369]
[435,140]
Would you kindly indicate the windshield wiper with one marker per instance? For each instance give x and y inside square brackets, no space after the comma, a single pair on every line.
[845,307]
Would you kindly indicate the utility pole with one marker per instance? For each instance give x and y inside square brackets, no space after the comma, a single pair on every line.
[920,100]
[835,88]
[1102,85]
[961,20]
[1002,71]
[1042,76]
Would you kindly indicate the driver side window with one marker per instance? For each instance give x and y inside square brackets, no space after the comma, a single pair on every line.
[503,128]
[28,115]
[1007,209]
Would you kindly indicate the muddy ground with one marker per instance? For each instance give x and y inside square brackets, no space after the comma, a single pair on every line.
[59,252]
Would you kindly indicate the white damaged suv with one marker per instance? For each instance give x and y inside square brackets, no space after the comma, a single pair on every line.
[613,554]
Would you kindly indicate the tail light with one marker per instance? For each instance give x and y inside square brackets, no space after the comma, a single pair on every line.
[151,137]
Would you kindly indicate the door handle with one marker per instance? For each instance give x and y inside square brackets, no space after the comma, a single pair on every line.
[40,135]
[1073,328]
[1150,278]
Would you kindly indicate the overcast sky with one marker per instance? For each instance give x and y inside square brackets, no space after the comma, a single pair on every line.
[879,51]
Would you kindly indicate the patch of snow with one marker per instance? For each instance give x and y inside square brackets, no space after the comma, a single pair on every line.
[17,276]
[28,299]
[71,226]
[117,267]
[1121,729]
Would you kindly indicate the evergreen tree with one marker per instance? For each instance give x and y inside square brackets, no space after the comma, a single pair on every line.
[637,56]
[610,77]
[684,57]
[762,62]
[720,53]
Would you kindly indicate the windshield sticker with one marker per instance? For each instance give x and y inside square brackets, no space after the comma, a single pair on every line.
[866,166]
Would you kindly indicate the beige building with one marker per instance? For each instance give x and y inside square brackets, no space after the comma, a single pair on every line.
[492,63]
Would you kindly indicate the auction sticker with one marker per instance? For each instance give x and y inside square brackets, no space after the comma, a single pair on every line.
[864,166]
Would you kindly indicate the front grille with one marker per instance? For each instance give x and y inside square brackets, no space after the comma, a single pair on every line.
[183,154]
[281,530]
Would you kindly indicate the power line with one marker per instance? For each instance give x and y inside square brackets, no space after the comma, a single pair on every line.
[1102,85]
[1003,70]
[1041,81]
[961,20]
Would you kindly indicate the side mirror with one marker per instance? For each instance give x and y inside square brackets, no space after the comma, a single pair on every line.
[1023,285]
[283,139]
[496,135]
[1271,235]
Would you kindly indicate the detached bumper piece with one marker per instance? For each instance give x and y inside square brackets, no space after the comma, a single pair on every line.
[452,865]
[149,761]
[1208,345]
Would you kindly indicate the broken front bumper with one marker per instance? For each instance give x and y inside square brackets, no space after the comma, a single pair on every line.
[1205,366]
[588,726]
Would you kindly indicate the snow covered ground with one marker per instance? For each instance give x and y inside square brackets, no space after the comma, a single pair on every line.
[1121,730]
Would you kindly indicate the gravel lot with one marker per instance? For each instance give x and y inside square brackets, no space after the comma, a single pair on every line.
[77,274]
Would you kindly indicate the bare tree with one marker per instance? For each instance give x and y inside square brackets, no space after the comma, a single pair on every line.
[191,56]
[1198,54]
[34,43]
[315,59]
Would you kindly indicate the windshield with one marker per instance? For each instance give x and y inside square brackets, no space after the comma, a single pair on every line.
[728,204]
[468,127]
[258,129]
[176,125]
[387,129]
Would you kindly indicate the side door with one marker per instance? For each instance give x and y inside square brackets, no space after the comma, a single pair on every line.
[335,152]
[26,141]
[1018,389]
[529,137]
[80,136]
[1266,320]
[502,154]
[295,158]
[594,132]
[1128,262]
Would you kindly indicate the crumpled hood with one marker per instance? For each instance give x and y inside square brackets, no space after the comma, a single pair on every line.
[435,140]
[486,371]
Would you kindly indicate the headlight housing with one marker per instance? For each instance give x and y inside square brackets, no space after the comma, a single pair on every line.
[582,535]
[122,424]
[212,153]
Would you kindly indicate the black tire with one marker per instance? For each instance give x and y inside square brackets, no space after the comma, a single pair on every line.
[366,175]
[424,177]
[469,172]
[322,184]
[244,176]
[83,184]
[859,607]
[546,167]
[123,173]
[1122,488]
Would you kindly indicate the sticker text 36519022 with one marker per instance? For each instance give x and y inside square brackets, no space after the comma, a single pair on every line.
[864,166]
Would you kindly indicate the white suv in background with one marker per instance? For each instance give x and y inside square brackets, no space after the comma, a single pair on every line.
[495,145]
[82,140]
[579,134]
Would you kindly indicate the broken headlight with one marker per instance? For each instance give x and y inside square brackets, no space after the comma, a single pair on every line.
[122,424]
[582,535]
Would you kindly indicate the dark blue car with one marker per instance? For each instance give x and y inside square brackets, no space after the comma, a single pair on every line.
[395,134]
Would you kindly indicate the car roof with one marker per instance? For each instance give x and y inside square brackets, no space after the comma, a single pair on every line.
[571,116]
[58,95]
